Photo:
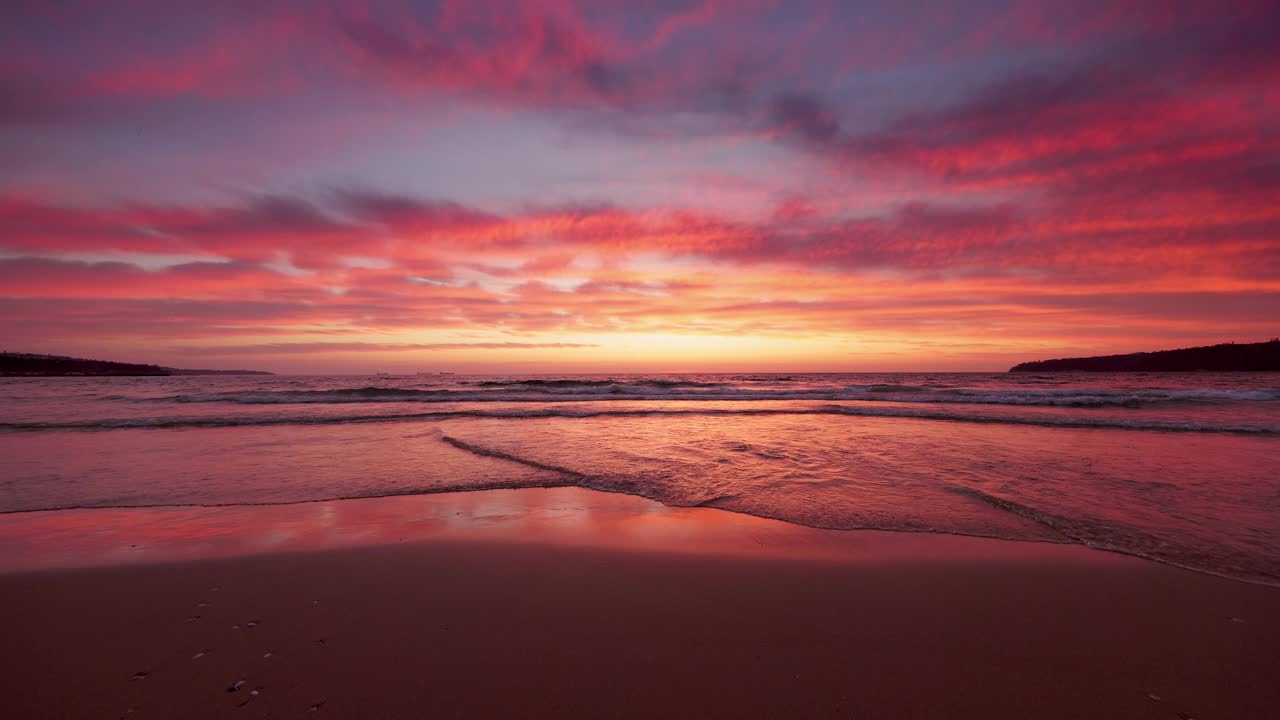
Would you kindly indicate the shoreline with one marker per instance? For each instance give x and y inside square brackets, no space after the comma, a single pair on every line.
[564,601]
[564,515]
[17,524]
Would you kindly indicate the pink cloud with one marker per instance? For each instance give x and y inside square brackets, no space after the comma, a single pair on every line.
[1049,166]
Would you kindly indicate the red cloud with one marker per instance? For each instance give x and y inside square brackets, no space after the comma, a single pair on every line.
[399,264]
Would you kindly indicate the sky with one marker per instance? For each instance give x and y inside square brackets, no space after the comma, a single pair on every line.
[644,185]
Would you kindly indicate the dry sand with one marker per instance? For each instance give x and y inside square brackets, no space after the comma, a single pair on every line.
[582,605]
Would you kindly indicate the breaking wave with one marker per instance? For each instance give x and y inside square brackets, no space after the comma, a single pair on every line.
[547,391]
[1063,421]
[1127,540]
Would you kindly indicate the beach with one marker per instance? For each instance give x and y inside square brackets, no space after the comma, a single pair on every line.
[570,602]
[680,359]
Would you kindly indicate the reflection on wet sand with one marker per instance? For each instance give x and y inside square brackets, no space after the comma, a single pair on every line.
[571,517]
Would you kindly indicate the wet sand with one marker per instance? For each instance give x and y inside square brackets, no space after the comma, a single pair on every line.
[568,603]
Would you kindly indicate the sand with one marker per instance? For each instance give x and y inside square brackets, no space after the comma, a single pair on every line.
[585,605]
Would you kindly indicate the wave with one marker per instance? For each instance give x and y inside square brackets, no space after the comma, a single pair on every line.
[1102,535]
[486,452]
[570,481]
[1065,421]
[1103,397]
[343,395]
[1099,534]
[894,387]
[596,390]
[1061,421]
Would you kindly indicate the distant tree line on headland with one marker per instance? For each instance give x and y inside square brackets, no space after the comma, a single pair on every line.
[1228,357]
[33,365]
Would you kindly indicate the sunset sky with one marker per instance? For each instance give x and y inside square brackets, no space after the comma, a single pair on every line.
[494,186]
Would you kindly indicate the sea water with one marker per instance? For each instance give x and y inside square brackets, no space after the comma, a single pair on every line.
[1180,468]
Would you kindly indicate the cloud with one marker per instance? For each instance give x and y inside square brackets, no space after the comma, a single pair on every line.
[805,115]
[403,212]
[286,348]
[1160,106]
[300,170]
[374,245]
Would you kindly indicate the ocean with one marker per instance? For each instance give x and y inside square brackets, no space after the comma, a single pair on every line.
[1177,468]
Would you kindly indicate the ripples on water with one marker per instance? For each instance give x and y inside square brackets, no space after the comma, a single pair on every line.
[1179,468]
